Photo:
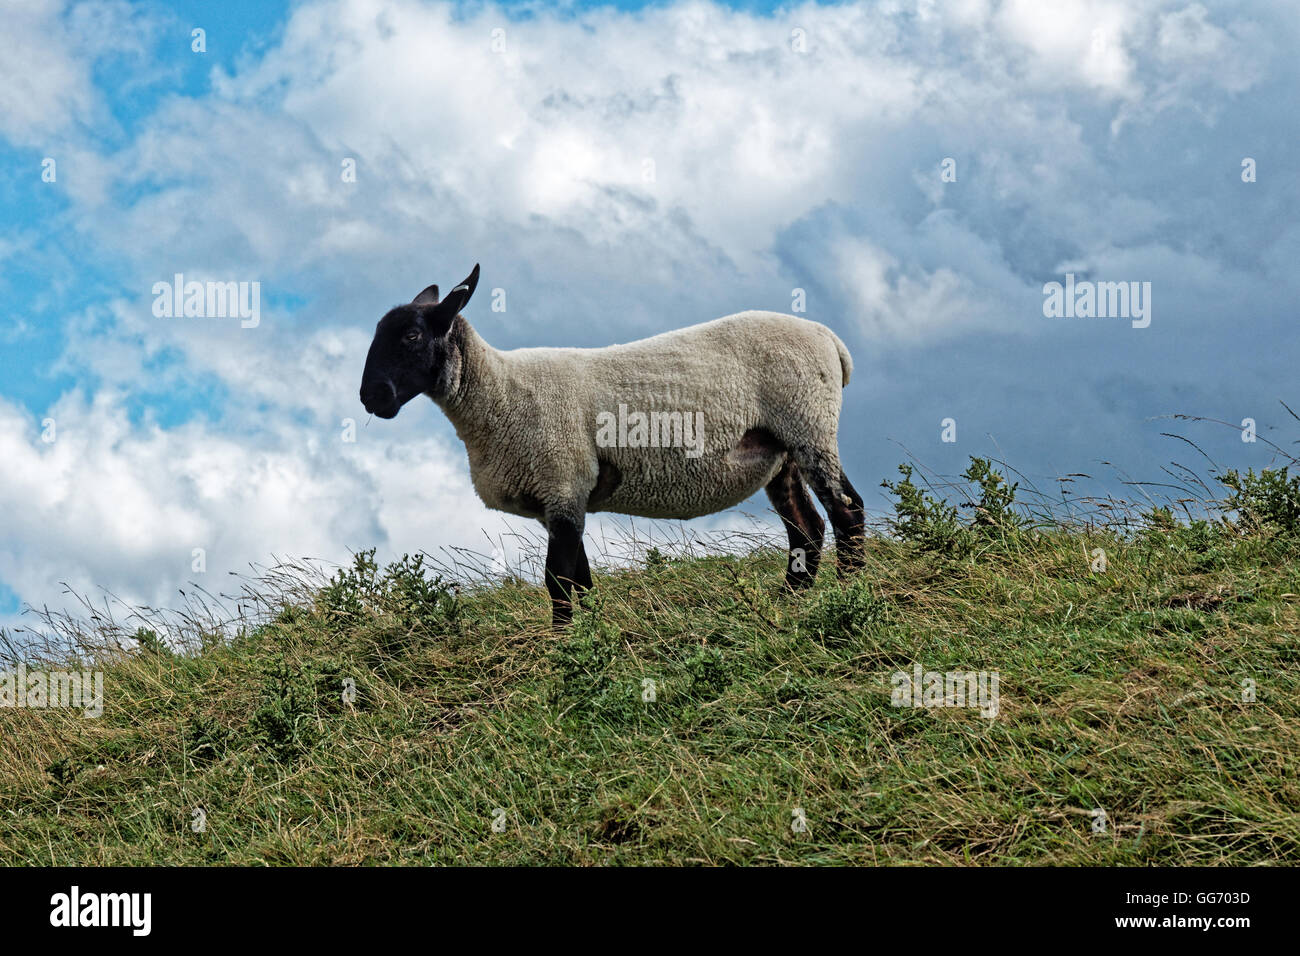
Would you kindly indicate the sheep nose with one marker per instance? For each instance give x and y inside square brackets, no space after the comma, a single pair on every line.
[378,394]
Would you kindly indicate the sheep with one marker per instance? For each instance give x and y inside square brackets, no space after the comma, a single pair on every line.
[679,425]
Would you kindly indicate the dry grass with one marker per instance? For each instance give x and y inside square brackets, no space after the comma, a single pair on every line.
[1119,690]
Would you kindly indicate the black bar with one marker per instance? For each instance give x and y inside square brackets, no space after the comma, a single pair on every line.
[915,906]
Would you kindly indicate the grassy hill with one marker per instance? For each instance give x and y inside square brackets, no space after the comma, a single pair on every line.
[388,717]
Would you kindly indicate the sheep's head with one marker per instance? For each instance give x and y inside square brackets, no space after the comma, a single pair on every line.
[412,352]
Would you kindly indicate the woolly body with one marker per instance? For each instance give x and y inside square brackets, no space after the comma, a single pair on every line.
[530,418]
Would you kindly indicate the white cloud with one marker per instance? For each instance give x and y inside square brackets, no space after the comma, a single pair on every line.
[771,168]
[44,87]
[897,303]
[48,51]
[107,505]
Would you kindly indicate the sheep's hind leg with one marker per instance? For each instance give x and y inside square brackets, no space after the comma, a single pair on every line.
[566,565]
[803,524]
[856,530]
[843,504]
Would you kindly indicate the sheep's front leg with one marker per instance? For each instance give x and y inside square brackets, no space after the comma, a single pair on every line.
[564,559]
[583,578]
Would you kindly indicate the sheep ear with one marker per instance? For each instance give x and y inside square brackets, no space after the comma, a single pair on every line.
[458,297]
[428,297]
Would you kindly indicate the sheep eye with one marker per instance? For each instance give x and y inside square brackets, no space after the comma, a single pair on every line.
[412,336]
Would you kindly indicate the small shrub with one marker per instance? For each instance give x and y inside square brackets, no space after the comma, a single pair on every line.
[993,512]
[934,525]
[1269,500]
[404,601]
[284,725]
[709,672]
[420,602]
[1162,529]
[840,614]
[350,593]
[930,523]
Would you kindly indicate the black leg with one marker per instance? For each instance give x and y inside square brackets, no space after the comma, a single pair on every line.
[564,545]
[803,524]
[855,528]
[583,577]
[815,528]
[842,503]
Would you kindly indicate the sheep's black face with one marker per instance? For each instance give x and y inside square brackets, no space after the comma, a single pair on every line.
[402,360]
[412,352]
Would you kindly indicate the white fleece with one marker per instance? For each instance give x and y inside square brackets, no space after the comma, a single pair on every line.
[531,418]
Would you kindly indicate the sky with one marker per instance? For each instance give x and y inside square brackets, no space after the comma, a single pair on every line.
[919,170]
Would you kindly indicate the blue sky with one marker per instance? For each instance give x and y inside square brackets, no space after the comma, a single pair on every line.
[792,146]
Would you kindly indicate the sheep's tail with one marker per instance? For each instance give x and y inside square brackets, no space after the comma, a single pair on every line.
[846,360]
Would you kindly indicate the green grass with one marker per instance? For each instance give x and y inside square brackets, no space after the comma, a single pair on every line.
[1120,690]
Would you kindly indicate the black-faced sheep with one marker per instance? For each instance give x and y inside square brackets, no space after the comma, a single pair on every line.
[679,425]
